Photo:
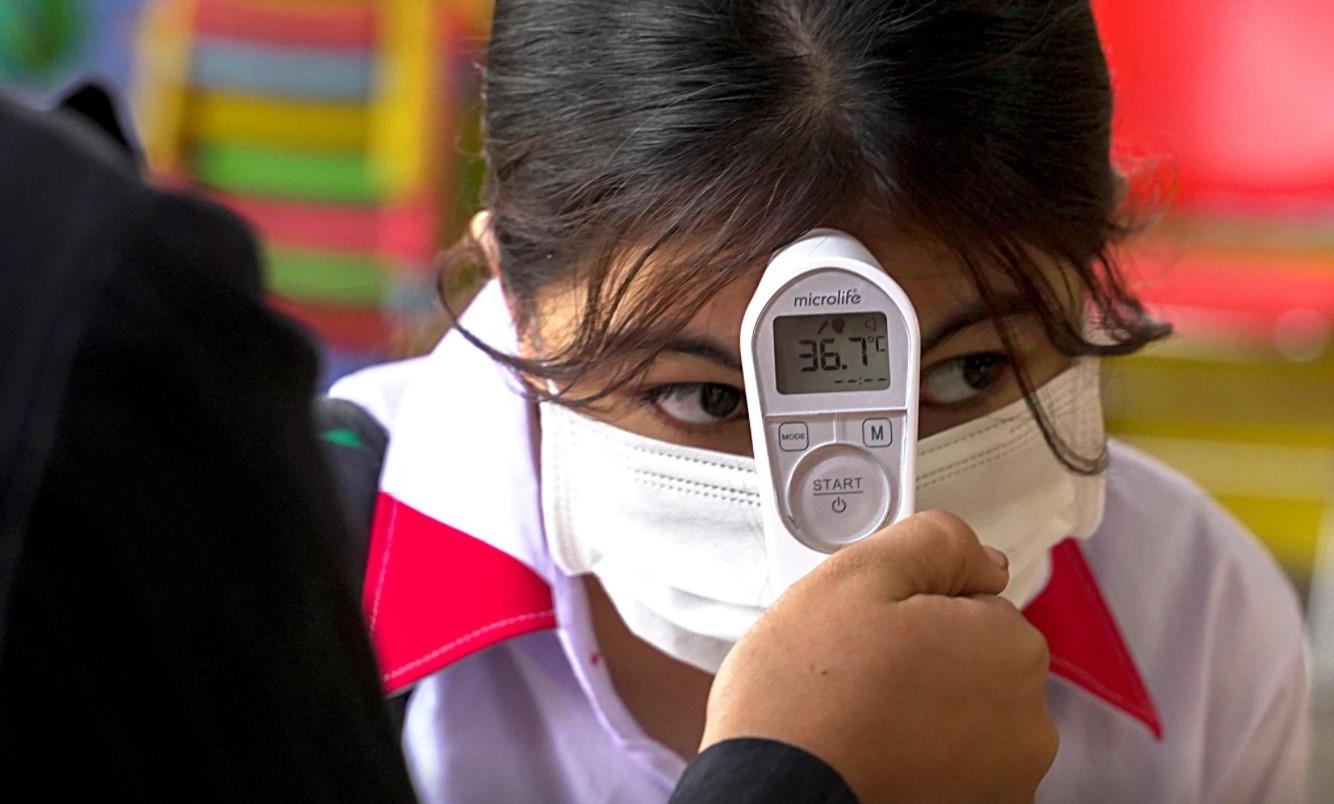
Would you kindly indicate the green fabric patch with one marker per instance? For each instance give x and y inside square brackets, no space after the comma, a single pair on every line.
[343,437]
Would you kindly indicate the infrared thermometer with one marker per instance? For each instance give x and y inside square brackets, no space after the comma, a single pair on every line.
[830,350]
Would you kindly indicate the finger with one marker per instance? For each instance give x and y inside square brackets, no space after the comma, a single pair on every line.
[931,553]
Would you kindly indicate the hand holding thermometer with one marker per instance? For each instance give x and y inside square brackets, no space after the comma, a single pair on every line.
[830,350]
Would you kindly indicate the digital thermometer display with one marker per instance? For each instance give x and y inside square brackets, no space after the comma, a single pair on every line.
[830,351]
[825,353]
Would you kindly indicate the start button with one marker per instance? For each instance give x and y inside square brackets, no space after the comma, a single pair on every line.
[838,494]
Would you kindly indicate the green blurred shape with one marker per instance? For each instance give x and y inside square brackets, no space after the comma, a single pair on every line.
[326,277]
[343,437]
[246,170]
[37,37]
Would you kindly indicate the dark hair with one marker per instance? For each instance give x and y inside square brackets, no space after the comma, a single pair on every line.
[704,135]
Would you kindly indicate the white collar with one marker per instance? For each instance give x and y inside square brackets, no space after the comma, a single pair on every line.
[467,455]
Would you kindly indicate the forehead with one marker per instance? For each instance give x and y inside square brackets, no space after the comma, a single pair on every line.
[925,269]
[940,288]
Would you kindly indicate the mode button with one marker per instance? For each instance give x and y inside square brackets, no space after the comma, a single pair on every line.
[793,436]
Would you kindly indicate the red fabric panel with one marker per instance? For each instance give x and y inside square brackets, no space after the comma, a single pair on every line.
[1086,645]
[434,594]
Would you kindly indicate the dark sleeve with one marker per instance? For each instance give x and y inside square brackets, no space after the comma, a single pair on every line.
[180,625]
[354,443]
[755,771]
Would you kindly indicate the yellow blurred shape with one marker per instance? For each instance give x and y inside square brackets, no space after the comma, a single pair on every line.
[267,121]
[163,58]
[1290,528]
[1255,430]
[401,134]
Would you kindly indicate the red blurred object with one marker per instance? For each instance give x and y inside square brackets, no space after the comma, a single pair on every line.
[1253,292]
[333,25]
[402,232]
[1238,95]
[342,327]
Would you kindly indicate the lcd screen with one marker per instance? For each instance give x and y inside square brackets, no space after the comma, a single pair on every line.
[827,353]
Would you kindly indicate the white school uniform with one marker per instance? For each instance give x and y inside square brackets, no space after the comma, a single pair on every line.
[1178,666]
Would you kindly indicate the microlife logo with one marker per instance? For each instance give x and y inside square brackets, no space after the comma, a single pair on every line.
[849,296]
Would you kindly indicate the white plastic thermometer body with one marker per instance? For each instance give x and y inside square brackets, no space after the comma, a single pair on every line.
[830,349]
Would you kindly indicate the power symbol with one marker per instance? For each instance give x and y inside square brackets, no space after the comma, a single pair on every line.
[838,505]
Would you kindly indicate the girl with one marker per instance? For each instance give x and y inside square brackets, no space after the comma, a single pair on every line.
[568,501]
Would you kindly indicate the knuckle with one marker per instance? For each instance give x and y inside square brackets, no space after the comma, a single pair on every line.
[1004,615]
[948,533]
[1036,753]
[1048,744]
[1036,645]
[843,564]
[945,522]
[955,560]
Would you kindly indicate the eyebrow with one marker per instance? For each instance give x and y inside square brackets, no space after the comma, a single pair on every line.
[705,348]
[975,312]
[969,315]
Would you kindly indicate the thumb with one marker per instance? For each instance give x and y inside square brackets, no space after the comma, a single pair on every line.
[931,553]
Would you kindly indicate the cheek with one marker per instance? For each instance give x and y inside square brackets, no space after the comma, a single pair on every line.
[623,410]
[931,421]
[1046,363]
[1043,362]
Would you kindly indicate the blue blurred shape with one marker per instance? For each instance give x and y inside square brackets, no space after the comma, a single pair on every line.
[288,72]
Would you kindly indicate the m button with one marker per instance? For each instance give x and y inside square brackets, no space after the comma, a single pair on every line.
[792,436]
[877,433]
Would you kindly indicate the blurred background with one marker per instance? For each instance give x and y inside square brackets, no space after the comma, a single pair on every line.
[345,132]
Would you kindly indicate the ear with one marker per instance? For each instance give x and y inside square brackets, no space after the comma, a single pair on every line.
[480,230]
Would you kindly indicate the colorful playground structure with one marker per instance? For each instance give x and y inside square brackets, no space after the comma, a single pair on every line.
[334,128]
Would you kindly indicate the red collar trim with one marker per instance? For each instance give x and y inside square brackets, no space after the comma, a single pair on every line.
[434,595]
[1085,642]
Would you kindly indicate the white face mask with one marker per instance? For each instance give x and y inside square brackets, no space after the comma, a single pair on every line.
[674,535]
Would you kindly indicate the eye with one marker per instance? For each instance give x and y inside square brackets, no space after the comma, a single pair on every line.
[698,402]
[962,378]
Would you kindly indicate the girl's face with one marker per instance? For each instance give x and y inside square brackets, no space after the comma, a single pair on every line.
[693,394]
